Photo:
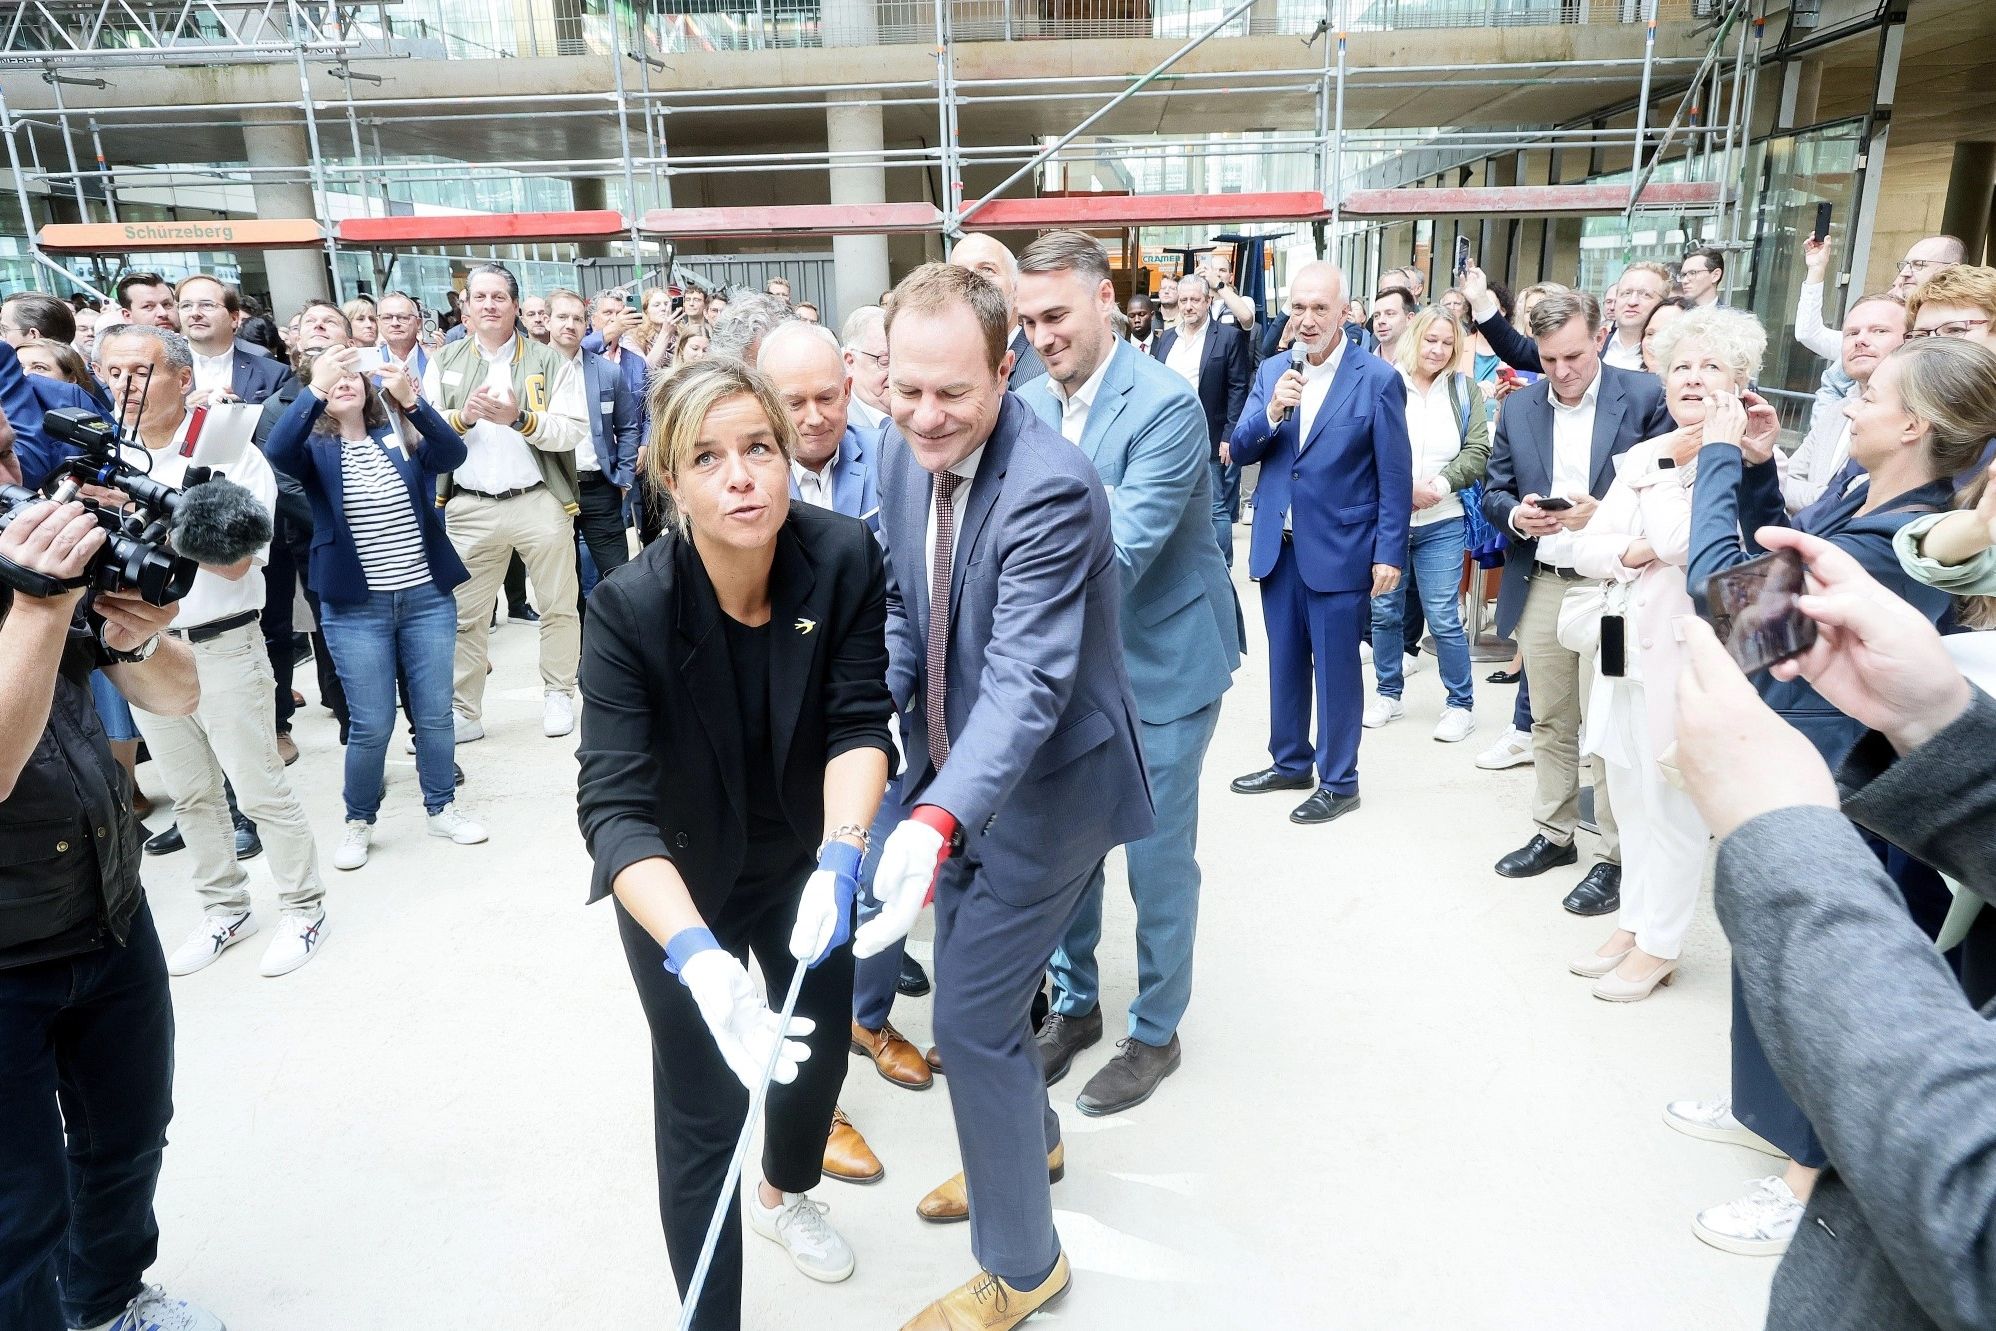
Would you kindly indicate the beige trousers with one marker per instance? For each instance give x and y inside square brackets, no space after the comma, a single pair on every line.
[485,533]
[1560,681]
[233,733]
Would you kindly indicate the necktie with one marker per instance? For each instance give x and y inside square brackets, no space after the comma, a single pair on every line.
[938,656]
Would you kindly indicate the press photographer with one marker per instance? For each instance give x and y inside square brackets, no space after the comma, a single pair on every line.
[86,1024]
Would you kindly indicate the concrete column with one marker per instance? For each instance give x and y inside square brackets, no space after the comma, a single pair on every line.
[1801,91]
[586,194]
[296,276]
[1971,186]
[859,263]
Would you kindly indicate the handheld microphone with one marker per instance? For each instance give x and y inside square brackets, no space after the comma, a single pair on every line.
[219,523]
[1299,357]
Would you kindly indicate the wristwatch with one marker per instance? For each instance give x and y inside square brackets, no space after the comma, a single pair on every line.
[142,652]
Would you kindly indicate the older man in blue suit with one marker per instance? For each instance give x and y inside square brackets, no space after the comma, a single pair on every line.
[1005,658]
[1330,532]
[1142,427]
[836,463]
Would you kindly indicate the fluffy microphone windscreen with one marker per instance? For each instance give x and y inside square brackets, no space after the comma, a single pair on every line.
[220,523]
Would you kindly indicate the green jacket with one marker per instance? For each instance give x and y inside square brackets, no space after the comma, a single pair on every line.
[550,391]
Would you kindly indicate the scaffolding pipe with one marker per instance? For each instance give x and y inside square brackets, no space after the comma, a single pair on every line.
[1735,159]
[110,191]
[1752,95]
[321,195]
[1337,190]
[1642,102]
[69,149]
[633,209]
[1690,93]
[20,189]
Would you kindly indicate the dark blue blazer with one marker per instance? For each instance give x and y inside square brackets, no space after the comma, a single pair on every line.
[334,570]
[24,399]
[256,378]
[1351,484]
[615,419]
[1732,500]
[1225,372]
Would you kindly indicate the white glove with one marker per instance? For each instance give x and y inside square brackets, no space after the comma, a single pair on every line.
[744,1028]
[913,852]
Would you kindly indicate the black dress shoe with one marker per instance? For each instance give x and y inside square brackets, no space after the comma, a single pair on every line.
[1062,1037]
[914,981]
[1504,676]
[166,842]
[1321,808]
[457,775]
[1599,893]
[1270,778]
[525,614]
[248,844]
[1536,856]
[1130,1078]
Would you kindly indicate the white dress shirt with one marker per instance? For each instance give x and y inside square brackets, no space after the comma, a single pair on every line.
[1621,357]
[1188,352]
[498,457]
[967,470]
[1810,329]
[863,415]
[214,373]
[1821,454]
[213,596]
[1434,428]
[1316,387]
[1572,460]
[1145,344]
[585,450]
[1074,409]
[814,487]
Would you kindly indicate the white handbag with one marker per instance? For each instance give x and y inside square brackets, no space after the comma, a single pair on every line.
[1579,628]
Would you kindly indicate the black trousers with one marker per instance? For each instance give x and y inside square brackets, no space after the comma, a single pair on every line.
[280,577]
[698,1105]
[601,524]
[86,1091]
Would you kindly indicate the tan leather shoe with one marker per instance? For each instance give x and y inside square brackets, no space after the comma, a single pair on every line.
[893,1057]
[989,1304]
[287,748]
[1613,988]
[949,1201]
[847,1156]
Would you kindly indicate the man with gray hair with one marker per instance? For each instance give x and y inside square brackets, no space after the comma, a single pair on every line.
[740,328]
[992,261]
[1556,442]
[232,735]
[864,340]
[1216,360]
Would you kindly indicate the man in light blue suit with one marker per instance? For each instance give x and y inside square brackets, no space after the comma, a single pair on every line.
[605,466]
[1330,532]
[1142,426]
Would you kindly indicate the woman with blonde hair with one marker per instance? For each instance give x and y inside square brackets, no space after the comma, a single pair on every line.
[1450,436]
[363,322]
[726,789]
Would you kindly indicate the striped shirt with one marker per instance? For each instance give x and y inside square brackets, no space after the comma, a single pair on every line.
[386,533]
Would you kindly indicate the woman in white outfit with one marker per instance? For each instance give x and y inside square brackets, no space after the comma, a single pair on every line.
[1638,543]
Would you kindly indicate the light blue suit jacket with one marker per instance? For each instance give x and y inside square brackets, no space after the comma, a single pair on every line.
[1146,435]
[614,420]
[855,477]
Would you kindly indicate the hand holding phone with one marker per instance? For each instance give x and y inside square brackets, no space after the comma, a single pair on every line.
[1555,503]
[1754,610]
[367,360]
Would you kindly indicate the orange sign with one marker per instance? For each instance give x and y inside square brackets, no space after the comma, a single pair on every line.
[223,234]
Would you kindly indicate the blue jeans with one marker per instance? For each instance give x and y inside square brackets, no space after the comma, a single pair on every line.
[86,1092]
[112,709]
[1226,504]
[1435,552]
[413,633]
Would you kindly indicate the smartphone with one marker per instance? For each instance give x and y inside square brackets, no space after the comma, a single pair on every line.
[1554,504]
[1822,222]
[368,360]
[1753,609]
[631,301]
[1461,255]
[1614,646]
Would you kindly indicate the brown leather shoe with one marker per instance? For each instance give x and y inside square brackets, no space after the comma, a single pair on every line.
[949,1201]
[989,1304]
[893,1057]
[934,1058]
[847,1156]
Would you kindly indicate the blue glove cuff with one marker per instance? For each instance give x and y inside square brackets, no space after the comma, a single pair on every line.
[842,858]
[683,946]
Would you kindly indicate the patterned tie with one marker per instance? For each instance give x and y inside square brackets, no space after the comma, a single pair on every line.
[939,577]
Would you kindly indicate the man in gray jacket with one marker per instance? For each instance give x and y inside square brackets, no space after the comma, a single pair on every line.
[1862,1020]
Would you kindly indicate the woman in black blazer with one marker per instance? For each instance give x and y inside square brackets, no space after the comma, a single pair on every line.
[734,750]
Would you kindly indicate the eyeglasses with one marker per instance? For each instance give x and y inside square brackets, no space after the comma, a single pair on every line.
[877,357]
[1921,265]
[1958,328]
[200,307]
[1695,272]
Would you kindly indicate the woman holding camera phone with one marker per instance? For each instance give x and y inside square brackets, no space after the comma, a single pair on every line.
[369,459]
[1925,417]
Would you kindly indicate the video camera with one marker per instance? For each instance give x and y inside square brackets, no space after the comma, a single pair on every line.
[136,555]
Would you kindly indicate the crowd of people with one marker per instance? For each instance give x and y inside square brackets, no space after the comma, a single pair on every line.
[952,618]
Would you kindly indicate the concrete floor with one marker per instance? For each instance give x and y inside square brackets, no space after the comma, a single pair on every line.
[1396,1110]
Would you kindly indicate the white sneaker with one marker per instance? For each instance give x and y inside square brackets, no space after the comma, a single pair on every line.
[1759,1224]
[152,1310]
[1457,724]
[351,853]
[557,715]
[1713,1121]
[1514,750]
[464,730]
[799,1224]
[448,822]
[298,938]
[1379,709]
[216,934]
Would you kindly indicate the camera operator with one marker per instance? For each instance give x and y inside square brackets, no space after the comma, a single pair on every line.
[86,1025]
[150,371]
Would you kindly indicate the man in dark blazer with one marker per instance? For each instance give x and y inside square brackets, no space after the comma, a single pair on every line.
[1330,533]
[1005,661]
[1216,360]
[1559,438]
[605,469]
[995,264]
[210,309]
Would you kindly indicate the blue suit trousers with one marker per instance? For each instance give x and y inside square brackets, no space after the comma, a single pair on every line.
[1313,637]
[1164,884]
[875,977]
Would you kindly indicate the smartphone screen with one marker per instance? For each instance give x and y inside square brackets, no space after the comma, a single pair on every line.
[1555,504]
[1752,608]
[369,359]
[1461,255]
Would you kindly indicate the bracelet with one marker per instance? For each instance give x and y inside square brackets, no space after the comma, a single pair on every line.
[683,946]
[860,834]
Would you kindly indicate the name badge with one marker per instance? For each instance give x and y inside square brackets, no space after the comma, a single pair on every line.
[453,377]
[607,407]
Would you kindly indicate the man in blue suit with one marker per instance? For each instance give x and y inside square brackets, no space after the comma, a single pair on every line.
[1330,532]
[1217,361]
[1005,659]
[605,464]
[210,310]
[836,463]
[1143,429]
